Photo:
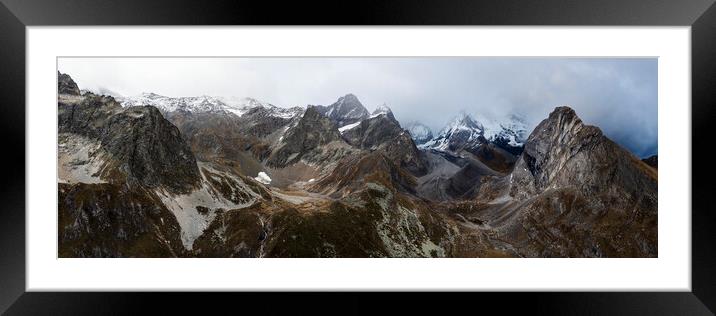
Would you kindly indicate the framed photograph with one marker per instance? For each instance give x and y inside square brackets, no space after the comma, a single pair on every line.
[400,148]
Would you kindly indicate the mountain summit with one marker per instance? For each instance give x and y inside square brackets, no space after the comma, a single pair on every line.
[463,131]
[65,85]
[383,109]
[420,133]
[346,110]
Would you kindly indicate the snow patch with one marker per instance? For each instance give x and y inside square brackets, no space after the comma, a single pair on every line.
[192,222]
[348,127]
[263,178]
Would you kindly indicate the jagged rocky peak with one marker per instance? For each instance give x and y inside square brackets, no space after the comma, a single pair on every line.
[562,151]
[554,141]
[370,133]
[462,131]
[252,106]
[576,182]
[381,131]
[420,132]
[463,125]
[508,133]
[346,110]
[86,115]
[464,121]
[312,131]
[65,85]
[383,110]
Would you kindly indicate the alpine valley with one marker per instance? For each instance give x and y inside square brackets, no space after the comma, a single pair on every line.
[158,176]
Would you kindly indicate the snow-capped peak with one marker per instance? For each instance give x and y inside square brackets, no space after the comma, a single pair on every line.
[461,130]
[169,104]
[511,130]
[464,130]
[240,106]
[463,121]
[420,133]
[383,109]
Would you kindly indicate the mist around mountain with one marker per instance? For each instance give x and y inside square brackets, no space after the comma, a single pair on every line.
[159,176]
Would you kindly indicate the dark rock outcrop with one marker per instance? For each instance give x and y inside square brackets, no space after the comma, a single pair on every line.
[151,150]
[260,122]
[373,132]
[565,152]
[87,115]
[146,148]
[312,131]
[65,85]
[110,220]
[383,132]
[652,161]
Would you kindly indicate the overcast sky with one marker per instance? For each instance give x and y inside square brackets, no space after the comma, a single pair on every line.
[618,95]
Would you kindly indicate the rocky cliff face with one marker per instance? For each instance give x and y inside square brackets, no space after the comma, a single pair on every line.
[262,121]
[146,149]
[311,132]
[221,139]
[563,151]
[383,132]
[575,193]
[86,115]
[65,85]
[151,150]
[111,220]
[372,133]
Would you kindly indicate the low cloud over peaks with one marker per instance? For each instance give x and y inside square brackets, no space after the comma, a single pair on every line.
[617,94]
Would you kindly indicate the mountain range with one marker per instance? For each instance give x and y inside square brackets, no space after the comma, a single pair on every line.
[158,176]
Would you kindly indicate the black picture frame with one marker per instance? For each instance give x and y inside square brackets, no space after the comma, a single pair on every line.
[15,15]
